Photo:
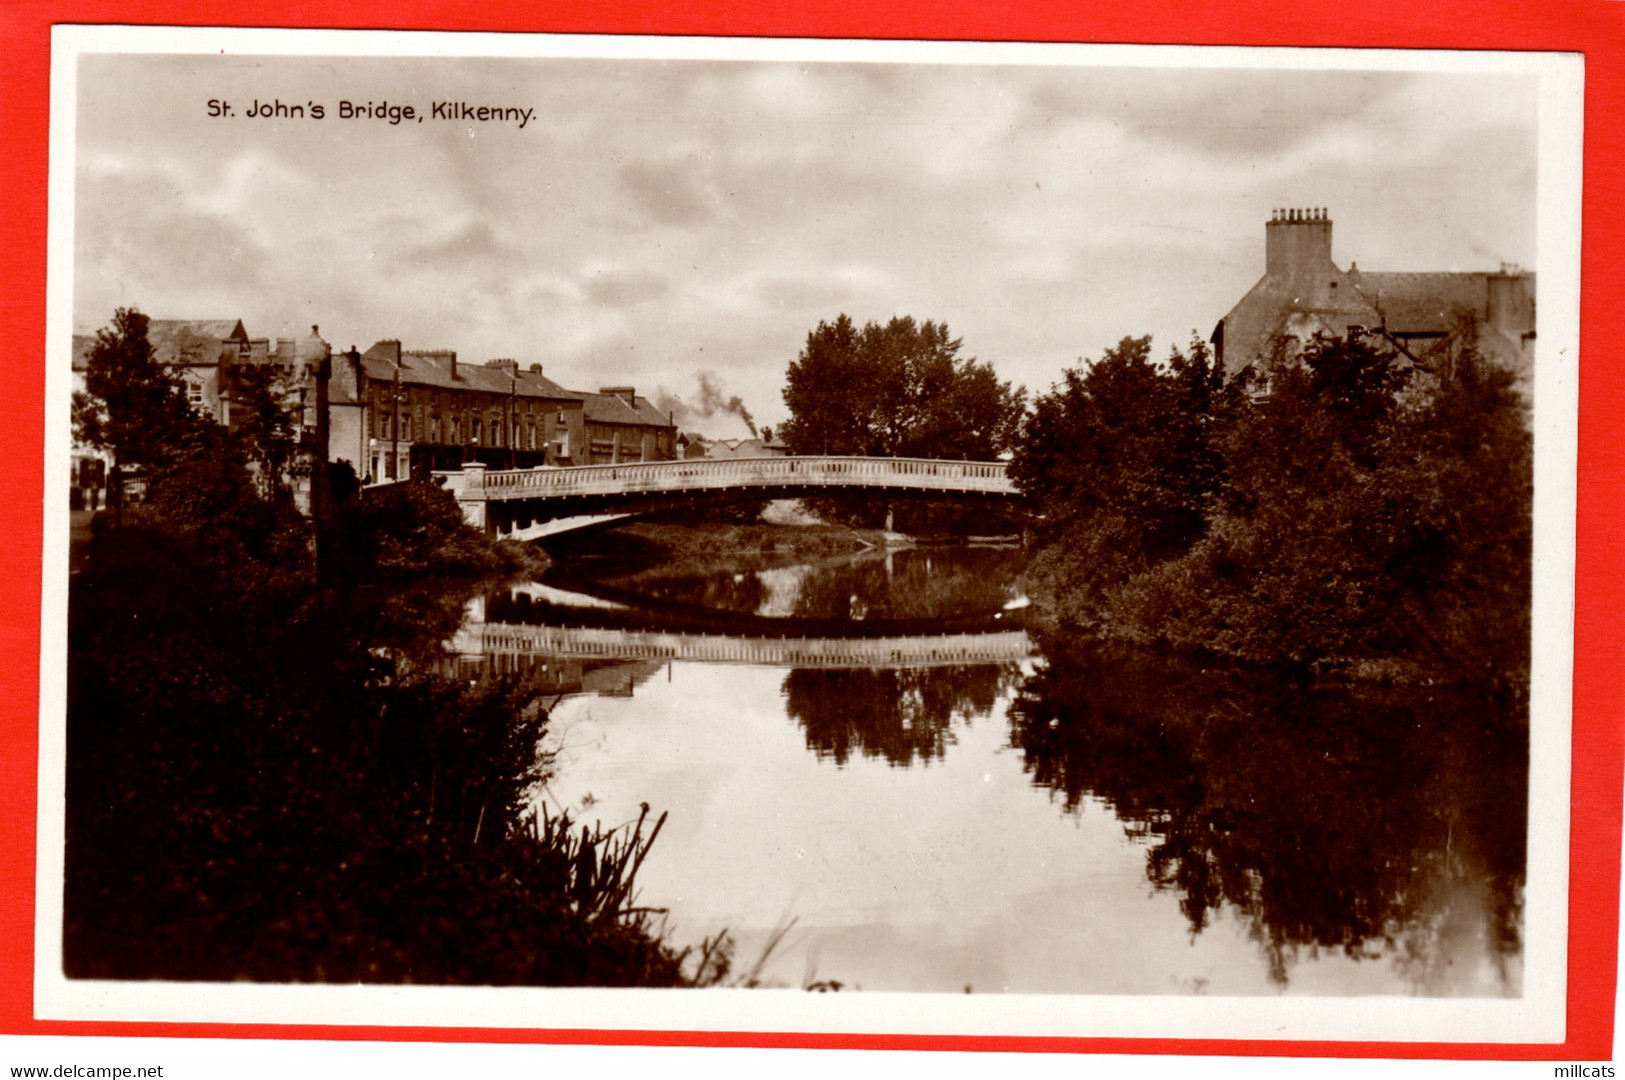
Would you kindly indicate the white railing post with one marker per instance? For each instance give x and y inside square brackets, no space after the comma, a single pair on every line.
[826,471]
[471,495]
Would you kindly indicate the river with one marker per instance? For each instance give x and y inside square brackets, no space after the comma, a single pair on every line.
[877,779]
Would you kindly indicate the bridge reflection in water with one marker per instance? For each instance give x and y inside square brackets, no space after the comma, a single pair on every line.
[507,647]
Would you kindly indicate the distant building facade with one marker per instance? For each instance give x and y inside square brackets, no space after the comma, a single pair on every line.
[395,412]
[205,356]
[1303,293]
[621,427]
[400,412]
[697,446]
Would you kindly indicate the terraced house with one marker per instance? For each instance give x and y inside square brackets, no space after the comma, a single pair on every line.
[621,426]
[399,412]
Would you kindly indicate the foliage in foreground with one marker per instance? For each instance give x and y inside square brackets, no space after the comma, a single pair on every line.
[1353,510]
[272,781]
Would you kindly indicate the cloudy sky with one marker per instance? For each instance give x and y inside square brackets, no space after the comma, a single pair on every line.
[659,220]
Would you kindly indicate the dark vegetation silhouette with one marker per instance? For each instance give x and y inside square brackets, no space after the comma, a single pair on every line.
[1348,508]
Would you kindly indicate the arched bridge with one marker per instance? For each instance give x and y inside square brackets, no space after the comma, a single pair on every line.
[529,503]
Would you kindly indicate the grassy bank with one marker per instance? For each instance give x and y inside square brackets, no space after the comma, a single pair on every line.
[720,545]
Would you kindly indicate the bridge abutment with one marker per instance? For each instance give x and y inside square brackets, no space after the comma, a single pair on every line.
[469,488]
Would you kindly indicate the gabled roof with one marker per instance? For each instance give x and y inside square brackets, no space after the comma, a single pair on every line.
[194,341]
[434,368]
[743,448]
[613,409]
[1423,303]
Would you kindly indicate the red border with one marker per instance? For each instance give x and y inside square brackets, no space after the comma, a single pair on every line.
[1594,27]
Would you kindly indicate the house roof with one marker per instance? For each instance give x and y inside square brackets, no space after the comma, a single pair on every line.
[194,341]
[434,368]
[1423,303]
[615,409]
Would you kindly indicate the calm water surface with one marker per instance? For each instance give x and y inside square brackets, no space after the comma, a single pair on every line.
[1072,823]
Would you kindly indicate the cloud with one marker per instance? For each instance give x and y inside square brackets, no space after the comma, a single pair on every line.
[671,192]
[474,241]
[618,287]
[1219,112]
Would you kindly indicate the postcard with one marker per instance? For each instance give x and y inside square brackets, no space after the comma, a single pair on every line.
[816,537]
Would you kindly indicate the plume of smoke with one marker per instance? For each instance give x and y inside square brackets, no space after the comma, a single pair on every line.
[710,401]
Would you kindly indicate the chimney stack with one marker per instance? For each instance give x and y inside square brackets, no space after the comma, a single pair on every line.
[1297,242]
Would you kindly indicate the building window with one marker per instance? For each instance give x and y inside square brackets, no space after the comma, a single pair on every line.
[194,394]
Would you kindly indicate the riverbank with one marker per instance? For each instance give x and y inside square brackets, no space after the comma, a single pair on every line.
[277,780]
[717,543]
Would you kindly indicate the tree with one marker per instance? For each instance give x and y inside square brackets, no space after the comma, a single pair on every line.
[132,406]
[1120,463]
[898,390]
[1361,511]
[264,424]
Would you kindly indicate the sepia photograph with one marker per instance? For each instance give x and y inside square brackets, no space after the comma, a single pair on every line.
[725,534]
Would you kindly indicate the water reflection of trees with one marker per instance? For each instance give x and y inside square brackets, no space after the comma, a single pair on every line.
[921,584]
[1370,820]
[915,584]
[903,715]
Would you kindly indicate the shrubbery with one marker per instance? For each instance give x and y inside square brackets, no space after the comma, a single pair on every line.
[1348,508]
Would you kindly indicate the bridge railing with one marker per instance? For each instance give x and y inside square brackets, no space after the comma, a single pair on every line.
[705,474]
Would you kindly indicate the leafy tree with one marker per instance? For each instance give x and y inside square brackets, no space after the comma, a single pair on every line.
[1349,507]
[898,390]
[1120,462]
[269,779]
[134,408]
[264,423]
